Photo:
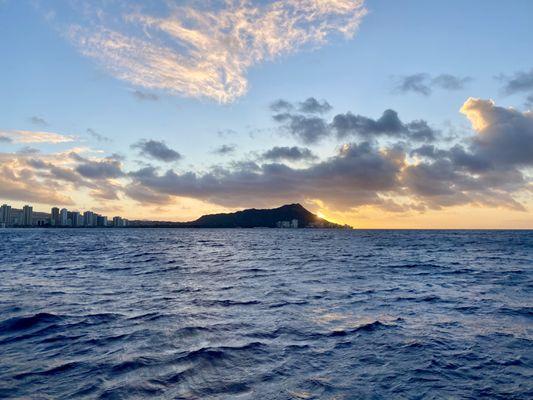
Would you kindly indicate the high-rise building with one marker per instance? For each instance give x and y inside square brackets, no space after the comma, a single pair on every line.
[89,218]
[27,215]
[54,217]
[118,222]
[76,219]
[5,215]
[101,220]
[63,217]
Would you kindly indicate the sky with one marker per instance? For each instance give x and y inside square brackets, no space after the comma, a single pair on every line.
[379,114]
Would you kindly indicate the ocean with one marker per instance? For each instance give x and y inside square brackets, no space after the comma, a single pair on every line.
[265,314]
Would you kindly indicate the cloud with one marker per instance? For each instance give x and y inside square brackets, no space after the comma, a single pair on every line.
[520,82]
[307,129]
[56,172]
[5,139]
[488,171]
[70,171]
[18,183]
[505,135]
[202,52]
[106,191]
[489,168]
[484,171]
[38,121]
[417,83]
[281,105]
[288,154]
[225,149]
[144,96]
[450,82]
[99,169]
[144,195]
[27,150]
[157,150]
[348,179]
[23,136]
[98,136]
[310,129]
[389,124]
[424,84]
[313,106]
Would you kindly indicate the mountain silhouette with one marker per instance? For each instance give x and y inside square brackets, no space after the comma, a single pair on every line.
[264,218]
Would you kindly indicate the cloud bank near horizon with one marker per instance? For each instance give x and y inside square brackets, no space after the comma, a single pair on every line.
[373,166]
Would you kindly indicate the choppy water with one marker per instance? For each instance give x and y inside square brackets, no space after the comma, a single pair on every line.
[265,314]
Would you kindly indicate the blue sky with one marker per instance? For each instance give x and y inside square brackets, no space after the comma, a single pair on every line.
[45,74]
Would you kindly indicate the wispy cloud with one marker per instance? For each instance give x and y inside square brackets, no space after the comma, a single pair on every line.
[35,120]
[144,96]
[201,52]
[23,136]
[157,150]
[424,84]
[99,137]
[225,149]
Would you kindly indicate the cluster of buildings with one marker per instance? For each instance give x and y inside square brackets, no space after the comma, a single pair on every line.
[26,217]
[288,224]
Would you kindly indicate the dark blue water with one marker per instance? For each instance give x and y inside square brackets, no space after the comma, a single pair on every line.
[266,314]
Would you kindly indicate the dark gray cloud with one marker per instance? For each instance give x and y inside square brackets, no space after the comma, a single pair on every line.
[313,106]
[106,192]
[97,136]
[307,129]
[27,150]
[94,175]
[5,139]
[349,179]
[417,83]
[520,82]
[450,82]
[424,84]
[38,121]
[310,129]
[489,168]
[144,195]
[225,149]
[443,184]
[101,169]
[157,150]
[389,124]
[485,171]
[145,96]
[281,105]
[506,134]
[293,153]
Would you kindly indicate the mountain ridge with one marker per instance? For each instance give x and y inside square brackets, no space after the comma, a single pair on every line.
[287,216]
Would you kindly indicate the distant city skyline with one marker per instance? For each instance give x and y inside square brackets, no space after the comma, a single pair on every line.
[28,217]
[374,113]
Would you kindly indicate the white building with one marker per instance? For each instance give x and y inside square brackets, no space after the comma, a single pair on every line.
[5,215]
[89,218]
[63,217]
[27,216]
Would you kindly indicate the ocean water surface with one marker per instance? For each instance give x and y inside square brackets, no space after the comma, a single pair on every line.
[266,314]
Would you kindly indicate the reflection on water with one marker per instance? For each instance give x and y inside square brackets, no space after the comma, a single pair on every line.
[270,314]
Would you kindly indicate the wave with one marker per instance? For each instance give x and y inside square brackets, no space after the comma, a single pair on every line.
[24,323]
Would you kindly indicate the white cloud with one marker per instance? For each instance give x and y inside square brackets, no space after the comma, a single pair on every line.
[207,53]
[23,136]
